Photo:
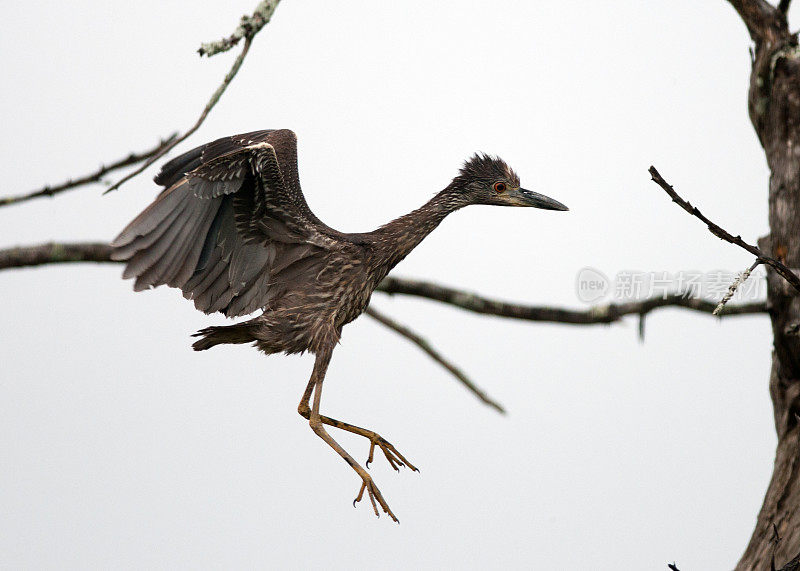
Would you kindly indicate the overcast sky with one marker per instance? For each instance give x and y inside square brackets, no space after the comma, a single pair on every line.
[122,448]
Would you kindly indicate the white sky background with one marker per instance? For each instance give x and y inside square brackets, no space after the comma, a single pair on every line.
[122,448]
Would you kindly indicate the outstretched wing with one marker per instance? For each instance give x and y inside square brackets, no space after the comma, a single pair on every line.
[232,229]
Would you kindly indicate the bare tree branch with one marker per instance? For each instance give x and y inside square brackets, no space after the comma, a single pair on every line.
[599,314]
[435,355]
[132,159]
[723,234]
[55,253]
[760,17]
[248,27]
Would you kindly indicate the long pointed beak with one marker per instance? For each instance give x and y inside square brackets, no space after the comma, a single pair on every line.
[522,197]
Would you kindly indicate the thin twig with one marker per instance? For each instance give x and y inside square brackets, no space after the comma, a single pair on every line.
[51,253]
[740,279]
[96,176]
[435,355]
[249,26]
[209,106]
[723,234]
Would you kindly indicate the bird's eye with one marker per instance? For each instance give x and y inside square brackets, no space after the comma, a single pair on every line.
[499,187]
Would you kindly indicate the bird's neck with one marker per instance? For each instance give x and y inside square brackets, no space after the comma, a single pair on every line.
[396,239]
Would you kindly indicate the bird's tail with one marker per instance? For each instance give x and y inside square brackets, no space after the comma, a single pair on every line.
[210,336]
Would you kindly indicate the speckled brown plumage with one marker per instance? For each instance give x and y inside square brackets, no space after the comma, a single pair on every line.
[233,231]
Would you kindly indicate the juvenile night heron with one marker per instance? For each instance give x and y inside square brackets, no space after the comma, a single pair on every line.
[233,231]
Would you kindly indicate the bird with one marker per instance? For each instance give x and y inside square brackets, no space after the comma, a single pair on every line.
[232,229]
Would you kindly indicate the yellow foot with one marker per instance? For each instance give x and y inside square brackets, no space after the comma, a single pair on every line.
[396,460]
[374,494]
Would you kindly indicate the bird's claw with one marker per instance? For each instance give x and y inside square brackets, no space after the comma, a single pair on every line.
[395,459]
[373,493]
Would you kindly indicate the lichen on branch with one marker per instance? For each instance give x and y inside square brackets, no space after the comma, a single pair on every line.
[248,27]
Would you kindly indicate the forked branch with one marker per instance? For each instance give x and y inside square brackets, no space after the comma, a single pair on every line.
[96,176]
[763,20]
[248,27]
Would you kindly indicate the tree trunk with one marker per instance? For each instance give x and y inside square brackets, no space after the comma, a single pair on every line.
[774,106]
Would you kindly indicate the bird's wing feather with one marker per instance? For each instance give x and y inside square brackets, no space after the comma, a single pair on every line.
[232,228]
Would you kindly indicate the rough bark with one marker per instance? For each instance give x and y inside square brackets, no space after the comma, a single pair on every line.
[774,107]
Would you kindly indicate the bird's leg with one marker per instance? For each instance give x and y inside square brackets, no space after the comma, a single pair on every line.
[317,425]
[395,459]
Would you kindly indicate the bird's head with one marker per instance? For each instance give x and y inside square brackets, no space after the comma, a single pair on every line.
[489,180]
